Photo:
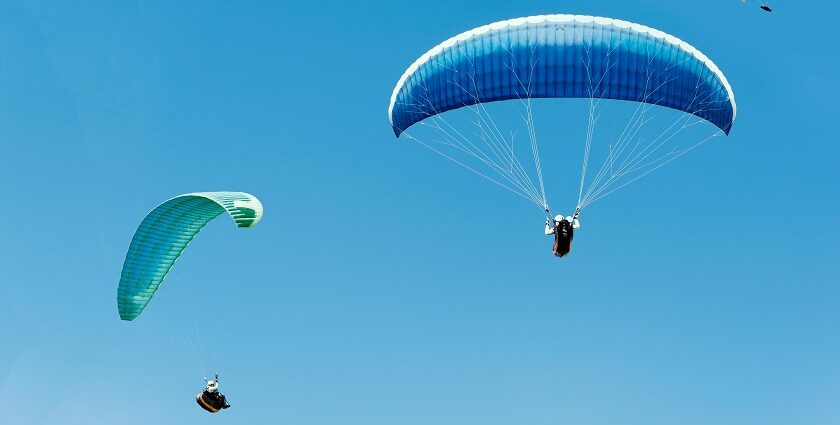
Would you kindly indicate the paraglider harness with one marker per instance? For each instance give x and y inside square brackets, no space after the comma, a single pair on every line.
[564,233]
[212,401]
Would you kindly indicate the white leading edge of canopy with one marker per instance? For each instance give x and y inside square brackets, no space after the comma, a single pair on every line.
[251,202]
[560,19]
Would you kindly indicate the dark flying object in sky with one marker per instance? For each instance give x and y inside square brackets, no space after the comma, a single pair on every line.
[764,7]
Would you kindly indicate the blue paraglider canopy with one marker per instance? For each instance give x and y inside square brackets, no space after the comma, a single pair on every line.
[561,57]
[541,57]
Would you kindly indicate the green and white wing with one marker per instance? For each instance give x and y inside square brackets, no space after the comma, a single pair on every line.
[165,233]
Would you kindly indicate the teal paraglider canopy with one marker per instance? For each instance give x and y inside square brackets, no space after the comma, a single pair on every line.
[164,234]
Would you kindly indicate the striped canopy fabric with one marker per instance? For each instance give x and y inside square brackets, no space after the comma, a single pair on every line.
[165,233]
[562,56]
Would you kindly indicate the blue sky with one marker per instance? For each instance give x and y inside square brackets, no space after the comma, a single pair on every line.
[384,285]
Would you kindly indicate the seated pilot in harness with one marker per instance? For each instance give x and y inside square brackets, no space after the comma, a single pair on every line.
[563,230]
[211,399]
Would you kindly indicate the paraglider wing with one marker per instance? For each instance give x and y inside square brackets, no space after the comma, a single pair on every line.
[165,233]
[633,62]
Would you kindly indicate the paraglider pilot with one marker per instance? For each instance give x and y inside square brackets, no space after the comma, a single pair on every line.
[563,229]
[211,399]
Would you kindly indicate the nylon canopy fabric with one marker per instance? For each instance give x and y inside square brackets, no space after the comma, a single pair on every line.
[562,56]
[165,233]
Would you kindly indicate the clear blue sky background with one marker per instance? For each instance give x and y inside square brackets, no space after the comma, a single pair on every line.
[384,285]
